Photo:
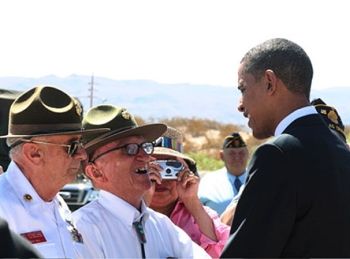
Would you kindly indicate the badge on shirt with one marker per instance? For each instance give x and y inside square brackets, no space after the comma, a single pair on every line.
[77,237]
[34,237]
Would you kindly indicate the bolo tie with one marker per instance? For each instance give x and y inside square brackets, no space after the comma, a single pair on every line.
[141,236]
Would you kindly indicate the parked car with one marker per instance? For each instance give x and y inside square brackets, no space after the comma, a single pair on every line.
[79,193]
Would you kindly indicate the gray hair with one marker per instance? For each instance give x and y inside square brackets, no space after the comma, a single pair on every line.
[15,150]
[286,59]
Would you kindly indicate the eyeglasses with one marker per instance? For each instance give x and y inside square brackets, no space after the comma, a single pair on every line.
[72,147]
[131,149]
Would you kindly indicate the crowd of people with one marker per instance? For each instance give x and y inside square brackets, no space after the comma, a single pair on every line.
[290,198]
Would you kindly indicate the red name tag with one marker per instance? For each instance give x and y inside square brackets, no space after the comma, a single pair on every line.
[34,237]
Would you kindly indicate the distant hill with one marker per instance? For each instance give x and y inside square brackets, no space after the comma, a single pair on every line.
[152,100]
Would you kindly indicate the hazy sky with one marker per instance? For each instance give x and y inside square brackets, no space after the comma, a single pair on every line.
[180,41]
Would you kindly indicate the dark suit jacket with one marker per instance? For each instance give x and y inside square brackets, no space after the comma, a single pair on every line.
[13,245]
[297,199]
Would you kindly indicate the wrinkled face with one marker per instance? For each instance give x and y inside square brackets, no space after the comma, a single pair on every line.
[165,193]
[235,159]
[124,175]
[61,168]
[254,104]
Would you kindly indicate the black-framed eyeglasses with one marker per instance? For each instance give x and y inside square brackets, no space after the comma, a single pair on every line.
[131,149]
[72,148]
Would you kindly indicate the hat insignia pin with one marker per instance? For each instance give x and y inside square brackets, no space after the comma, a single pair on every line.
[78,108]
[333,116]
[126,115]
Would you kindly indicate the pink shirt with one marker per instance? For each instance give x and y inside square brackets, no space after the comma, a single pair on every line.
[183,219]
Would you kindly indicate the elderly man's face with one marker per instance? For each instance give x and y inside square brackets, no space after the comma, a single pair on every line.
[124,175]
[235,159]
[60,168]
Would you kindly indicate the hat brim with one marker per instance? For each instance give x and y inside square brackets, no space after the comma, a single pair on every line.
[171,152]
[150,132]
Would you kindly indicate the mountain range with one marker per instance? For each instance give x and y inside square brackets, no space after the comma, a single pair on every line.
[153,101]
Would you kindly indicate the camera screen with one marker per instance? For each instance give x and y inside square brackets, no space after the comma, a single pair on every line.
[171,168]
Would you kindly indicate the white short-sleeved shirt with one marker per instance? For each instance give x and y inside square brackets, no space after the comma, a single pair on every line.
[47,225]
[107,228]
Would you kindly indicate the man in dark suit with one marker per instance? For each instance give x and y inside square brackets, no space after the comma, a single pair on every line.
[14,246]
[297,199]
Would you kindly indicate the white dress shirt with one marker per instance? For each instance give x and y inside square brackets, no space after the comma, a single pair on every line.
[307,110]
[47,225]
[107,228]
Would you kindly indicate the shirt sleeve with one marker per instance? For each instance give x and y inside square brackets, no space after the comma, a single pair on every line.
[222,231]
[182,243]
[183,219]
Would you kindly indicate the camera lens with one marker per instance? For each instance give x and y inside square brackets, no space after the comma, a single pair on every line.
[168,171]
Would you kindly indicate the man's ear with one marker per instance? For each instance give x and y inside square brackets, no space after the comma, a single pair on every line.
[94,173]
[32,152]
[271,80]
[222,155]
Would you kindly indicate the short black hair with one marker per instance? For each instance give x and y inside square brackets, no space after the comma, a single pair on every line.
[286,59]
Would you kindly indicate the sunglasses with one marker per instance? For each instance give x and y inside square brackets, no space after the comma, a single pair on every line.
[131,149]
[72,148]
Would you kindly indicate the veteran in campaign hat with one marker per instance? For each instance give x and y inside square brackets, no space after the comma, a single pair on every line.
[45,139]
[118,224]
[218,188]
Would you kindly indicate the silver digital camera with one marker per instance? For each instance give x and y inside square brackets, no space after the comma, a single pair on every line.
[171,169]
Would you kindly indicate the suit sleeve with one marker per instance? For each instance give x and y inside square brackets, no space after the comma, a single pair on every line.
[266,210]
[14,246]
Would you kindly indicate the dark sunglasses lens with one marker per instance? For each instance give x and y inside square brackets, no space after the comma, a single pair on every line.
[173,163]
[73,148]
[148,148]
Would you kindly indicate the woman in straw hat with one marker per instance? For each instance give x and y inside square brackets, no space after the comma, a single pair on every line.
[174,193]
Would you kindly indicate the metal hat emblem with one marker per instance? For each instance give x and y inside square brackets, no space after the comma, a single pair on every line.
[333,116]
[126,115]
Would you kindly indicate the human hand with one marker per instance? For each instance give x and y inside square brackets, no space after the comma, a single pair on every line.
[187,186]
[154,170]
[227,216]
[155,177]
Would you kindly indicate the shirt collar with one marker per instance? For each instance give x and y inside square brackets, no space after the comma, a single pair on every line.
[292,117]
[241,177]
[121,209]
[24,189]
